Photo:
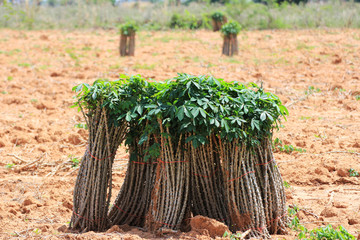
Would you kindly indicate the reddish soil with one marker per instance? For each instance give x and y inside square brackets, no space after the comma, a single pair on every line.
[38,138]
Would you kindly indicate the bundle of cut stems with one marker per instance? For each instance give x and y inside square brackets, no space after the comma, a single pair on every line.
[93,184]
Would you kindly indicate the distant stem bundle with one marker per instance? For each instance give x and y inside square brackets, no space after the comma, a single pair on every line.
[127,39]
[230,31]
[127,44]
[230,45]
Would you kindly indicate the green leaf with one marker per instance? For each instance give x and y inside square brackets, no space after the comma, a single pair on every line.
[203,113]
[128,116]
[263,116]
[94,95]
[140,109]
[79,87]
[151,106]
[180,113]
[217,124]
[143,139]
[187,113]
[195,112]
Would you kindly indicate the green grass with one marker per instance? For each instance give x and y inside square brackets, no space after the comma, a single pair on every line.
[24,65]
[164,39]
[144,66]
[232,60]
[11,52]
[301,46]
[9,165]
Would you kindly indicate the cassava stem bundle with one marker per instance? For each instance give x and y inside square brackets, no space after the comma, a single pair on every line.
[230,31]
[207,184]
[196,144]
[132,202]
[170,195]
[93,184]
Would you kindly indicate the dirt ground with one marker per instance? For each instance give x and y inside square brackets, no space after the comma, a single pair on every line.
[39,142]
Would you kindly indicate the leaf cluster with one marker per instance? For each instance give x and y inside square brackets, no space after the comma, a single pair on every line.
[353,173]
[278,146]
[189,21]
[231,27]
[200,105]
[218,16]
[128,28]
[121,98]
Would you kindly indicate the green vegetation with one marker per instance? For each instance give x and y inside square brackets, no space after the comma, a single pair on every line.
[311,90]
[198,123]
[128,28]
[73,56]
[353,173]
[236,113]
[9,165]
[24,65]
[235,236]
[278,146]
[218,16]
[90,14]
[231,27]
[144,66]
[75,161]
[325,232]
[286,185]
[81,125]
[188,21]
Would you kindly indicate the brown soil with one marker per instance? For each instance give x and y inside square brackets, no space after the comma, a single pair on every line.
[38,138]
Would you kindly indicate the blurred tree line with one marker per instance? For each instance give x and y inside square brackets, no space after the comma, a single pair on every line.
[169,2]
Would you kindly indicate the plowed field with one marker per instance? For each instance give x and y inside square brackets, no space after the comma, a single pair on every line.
[39,143]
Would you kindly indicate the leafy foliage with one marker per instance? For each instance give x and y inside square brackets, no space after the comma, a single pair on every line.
[353,172]
[81,125]
[188,21]
[234,236]
[200,105]
[328,232]
[278,145]
[9,165]
[75,161]
[325,232]
[231,27]
[119,97]
[218,16]
[128,28]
